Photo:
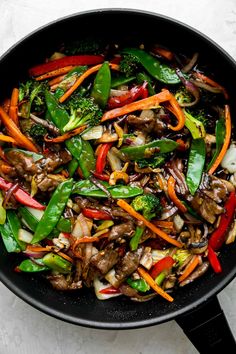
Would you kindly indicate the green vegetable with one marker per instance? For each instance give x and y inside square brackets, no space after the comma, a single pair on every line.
[141,77]
[64,225]
[69,79]
[15,225]
[29,218]
[159,70]
[31,97]
[180,257]
[220,137]
[53,211]
[37,132]
[87,188]
[29,266]
[8,239]
[153,162]
[120,80]
[191,211]
[72,166]
[148,204]
[147,150]
[87,159]
[3,213]
[196,163]
[57,263]
[85,46]
[182,96]
[129,64]
[134,242]
[195,126]
[138,284]
[36,157]
[160,278]
[102,85]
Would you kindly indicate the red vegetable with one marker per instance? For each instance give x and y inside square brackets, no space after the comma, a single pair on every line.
[110,290]
[163,264]
[21,196]
[101,159]
[214,261]
[96,214]
[65,61]
[100,176]
[128,97]
[219,235]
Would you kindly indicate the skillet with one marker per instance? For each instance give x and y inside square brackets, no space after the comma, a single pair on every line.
[195,307]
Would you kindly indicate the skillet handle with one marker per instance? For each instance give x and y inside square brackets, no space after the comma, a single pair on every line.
[207,328]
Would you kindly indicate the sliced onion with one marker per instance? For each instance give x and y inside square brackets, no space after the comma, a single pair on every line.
[206,87]
[229,160]
[34,254]
[82,227]
[8,194]
[25,236]
[36,213]
[93,133]
[190,64]
[166,213]
[117,93]
[190,87]
[98,286]
[114,160]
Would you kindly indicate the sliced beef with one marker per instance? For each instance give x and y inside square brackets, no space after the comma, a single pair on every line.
[206,207]
[122,230]
[105,260]
[214,188]
[61,283]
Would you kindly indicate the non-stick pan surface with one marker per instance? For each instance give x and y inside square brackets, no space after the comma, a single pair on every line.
[82,307]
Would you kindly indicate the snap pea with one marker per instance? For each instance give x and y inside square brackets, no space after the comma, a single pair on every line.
[3,213]
[72,166]
[57,263]
[68,79]
[159,70]
[121,80]
[53,211]
[138,284]
[15,225]
[87,188]
[195,127]
[8,239]
[29,266]
[87,159]
[64,225]
[146,150]
[30,220]
[220,137]
[196,163]
[102,85]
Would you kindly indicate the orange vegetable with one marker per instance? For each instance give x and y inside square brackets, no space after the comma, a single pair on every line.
[173,196]
[80,79]
[7,139]
[165,53]
[13,109]
[66,136]
[149,103]
[228,128]
[153,284]
[190,267]
[56,80]
[15,132]
[164,224]
[65,256]
[53,73]
[122,203]
[39,248]
[212,83]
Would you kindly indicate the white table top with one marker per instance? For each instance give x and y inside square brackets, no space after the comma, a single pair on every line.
[24,330]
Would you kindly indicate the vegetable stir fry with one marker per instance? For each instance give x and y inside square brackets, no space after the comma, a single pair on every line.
[118,170]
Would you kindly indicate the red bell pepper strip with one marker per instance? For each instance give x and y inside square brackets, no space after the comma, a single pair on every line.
[163,264]
[214,261]
[21,196]
[101,159]
[100,176]
[110,290]
[96,214]
[218,237]
[128,97]
[65,61]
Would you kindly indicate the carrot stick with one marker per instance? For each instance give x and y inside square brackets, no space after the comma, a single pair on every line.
[164,224]
[82,77]
[212,83]
[154,285]
[66,136]
[65,256]
[56,80]
[7,139]
[6,168]
[173,196]
[15,132]
[190,267]
[39,248]
[13,109]
[222,153]
[122,203]
[165,53]
[53,73]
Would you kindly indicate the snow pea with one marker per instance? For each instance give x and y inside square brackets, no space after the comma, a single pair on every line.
[136,238]
[72,166]
[87,159]
[141,77]
[15,225]
[8,239]
[64,225]
[87,188]
[69,79]
[121,80]
[53,211]
[220,137]
[196,163]
[138,284]
[159,70]
[146,150]
[102,85]
[57,263]
[29,218]
[29,266]
[3,213]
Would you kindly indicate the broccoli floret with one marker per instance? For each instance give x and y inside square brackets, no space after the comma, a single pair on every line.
[82,110]
[129,65]
[31,94]
[37,132]
[152,162]
[85,46]
[183,96]
[148,204]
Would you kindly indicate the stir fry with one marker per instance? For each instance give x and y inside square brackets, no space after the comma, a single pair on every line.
[118,170]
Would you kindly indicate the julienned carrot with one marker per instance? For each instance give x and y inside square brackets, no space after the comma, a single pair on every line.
[153,284]
[66,136]
[165,53]
[149,103]
[228,128]
[7,139]
[212,83]
[173,196]
[65,256]
[53,73]
[164,224]
[82,77]
[56,80]
[31,248]
[190,267]
[13,109]
[124,205]
[15,132]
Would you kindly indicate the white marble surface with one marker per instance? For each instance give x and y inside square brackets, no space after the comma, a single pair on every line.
[26,330]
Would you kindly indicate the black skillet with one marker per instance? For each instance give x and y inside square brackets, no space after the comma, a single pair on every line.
[195,308]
